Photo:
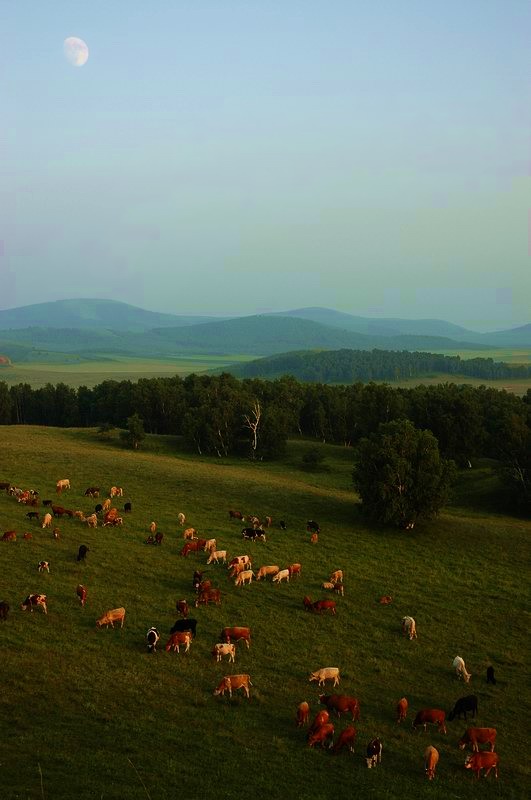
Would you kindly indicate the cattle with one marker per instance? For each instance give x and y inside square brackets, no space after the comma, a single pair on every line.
[44,566]
[32,515]
[56,533]
[110,617]
[320,605]
[236,634]
[476,736]
[116,491]
[216,556]
[203,586]
[244,577]
[82,594]
[263,572]
[254,520]
[177,639]
[159,537]
[182,607]
[314,538]
[33,601]
[181,519]
[401,709]
[294,569]
[312,526]
[230,682]
[336,576]
[9,536]
[198,577]
[374,753]
[283,575]
[105,506]
[490,675]
[127,508]
[98,508]
[92,521]
[236,515]
[92,491]
[82,552]
[341,704]
[431,758]
[246,560]
[322,735]
[210,544]
[325,674]
[4,610]
[486,761]
[268,521]
[61,485]
[184,625]
[110,515]
[253,534]
[79,515]
[152,637]
[47,502]
[345,739]
[430,716]
[153,527]
[321,718]
[385,600]
[150,540]
[282,525]
[59,511]
[464,704]
[303,714]
[5,485]
[47,521]
[460,670]
[409,628]
[27,536]
[190,547]
[189,533]
[236,569]
[223,649]
[208,596]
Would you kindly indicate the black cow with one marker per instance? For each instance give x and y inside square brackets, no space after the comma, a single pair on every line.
[158,538]
[312,526]
[282,525]
[152,637]
[47,502]
[98,508]
[374,753]
[185,625]
[93,491]
[490,676]
[32,515]
[198,577]
[82,552]
[127,507]
[252,534]
[464,704]
[4,609]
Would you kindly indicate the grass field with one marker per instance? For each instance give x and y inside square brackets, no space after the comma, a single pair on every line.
[88,713]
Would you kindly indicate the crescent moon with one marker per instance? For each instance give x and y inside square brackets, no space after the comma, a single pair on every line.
[76,51]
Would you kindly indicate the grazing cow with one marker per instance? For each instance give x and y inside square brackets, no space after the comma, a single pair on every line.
[230,682]
[486,761]
[203,586]
[110,617]
[385,600]
[191,547]
[79,515]
[150,539]
[283,575]
[322,735]
[374,753]
[460,670]
[294,569]
[341,704]
[44,566]
[182,608]
[56,533]
[4,610]
[82,552]
[282,525]
[431,758]
[325,674]
[92,521]
[345,739]
[236,569]
[312,526]
[127,508]
[105,506]
[82,594]
[314,538]
[209,596]
[98,508]
[62,485]
[47,502]
[110,515]
[244,560]
[224,649]
[184,625]
[177,639]
[409,627]
[236,634]
[9,536]
[216,556]
[236,515]
[59,511]
[27,536]
[92,491]
[32,515]
[320,605]
[336,577]
[263,572]
[401,709]
[152,637]
[189,533]
[210,544]
[303,714]
[430,716]
[116,491]
[198,577]
[158,537]
[5,485]
[33,601]
[490,675]
[244,577]
[47,521]
[320,719]
[253,534]
[476,736]
[181,519]
[464,704]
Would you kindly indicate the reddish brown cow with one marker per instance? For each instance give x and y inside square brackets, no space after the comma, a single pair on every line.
[9,536]
[401,709]
[431,716]
[431,759]
[209,596]
[82,594]
[236,634]
[345,739]
[236,515]
[303,714]
[320,605]
[341,704]
[321,735]
[476,736]
[486,761]
[192,547]
[182,607]
[320,719]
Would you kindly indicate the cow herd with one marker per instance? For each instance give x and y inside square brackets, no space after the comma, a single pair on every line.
[321,731]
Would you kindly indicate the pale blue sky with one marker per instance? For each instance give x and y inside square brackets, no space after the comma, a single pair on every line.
[239,156]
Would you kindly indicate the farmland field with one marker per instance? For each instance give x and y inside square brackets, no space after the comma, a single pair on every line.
[87,713]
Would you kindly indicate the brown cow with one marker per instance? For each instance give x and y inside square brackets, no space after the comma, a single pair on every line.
[112,616]
[431,758]
[182,608]
[230,682]
[486,761]
[321,735]
[401,709]
[82,594]
[341,704]
[33,601]
[9,536]
[236,515]
[189,534]
[320,605]
[476,736]
[177,639]
[431,716]
[345,739]
[236,634]
[209,596]
[320,719]
[303,714]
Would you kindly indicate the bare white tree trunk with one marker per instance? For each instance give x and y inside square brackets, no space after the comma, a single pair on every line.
[252,424]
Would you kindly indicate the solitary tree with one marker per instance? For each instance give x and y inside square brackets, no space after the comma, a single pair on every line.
[400,474]
[134,435]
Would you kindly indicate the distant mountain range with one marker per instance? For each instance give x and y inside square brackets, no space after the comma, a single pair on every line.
[96,328]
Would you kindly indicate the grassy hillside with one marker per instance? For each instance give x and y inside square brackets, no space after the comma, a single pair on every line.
[88,713]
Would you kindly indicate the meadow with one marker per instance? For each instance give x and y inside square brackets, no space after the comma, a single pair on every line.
[88,713]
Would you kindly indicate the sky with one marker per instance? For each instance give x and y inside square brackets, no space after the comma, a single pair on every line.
[226,157]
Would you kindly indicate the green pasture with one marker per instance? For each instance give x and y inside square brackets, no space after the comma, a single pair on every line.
[88,713]
[510,355]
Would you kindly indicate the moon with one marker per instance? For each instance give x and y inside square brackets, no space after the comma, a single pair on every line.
[76,51]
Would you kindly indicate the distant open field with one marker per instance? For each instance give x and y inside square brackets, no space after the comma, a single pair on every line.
[510,355]
[87,713]
[518,386]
